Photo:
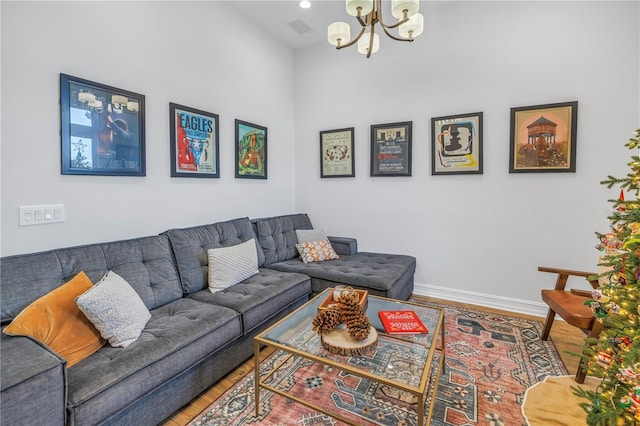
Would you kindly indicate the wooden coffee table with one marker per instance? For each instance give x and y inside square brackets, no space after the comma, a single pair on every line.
[293,335]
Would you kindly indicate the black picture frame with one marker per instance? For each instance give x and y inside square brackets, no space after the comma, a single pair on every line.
[195,149]
[456,144]
[102,129]
[250,150]
[337,157]
[391,149]
[543,138]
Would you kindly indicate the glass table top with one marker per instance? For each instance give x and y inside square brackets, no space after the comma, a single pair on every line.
[412,352]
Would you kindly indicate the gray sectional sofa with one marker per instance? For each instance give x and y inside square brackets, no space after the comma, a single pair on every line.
[194,337]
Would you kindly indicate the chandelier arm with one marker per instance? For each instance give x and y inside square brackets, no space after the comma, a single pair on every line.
[396,25]
[354,41]
[371,37]
[368,19]
[395,37]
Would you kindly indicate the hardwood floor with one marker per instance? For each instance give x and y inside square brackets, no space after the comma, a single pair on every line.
[565,338]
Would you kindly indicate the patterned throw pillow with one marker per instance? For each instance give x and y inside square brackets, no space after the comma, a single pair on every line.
[316,251]
[115,309]
[232,265]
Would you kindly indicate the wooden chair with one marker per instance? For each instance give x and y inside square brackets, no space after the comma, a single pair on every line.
[569,304]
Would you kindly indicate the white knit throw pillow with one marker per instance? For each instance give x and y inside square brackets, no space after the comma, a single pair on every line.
[115,309]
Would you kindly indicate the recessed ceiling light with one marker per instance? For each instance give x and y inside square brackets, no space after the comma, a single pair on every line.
[305,4]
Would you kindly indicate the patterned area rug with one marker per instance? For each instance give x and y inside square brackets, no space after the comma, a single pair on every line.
[491,360]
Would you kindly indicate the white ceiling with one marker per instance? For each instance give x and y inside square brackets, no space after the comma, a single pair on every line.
[276,17]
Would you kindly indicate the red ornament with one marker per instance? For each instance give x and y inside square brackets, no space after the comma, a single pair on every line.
[604,358]
[621,199]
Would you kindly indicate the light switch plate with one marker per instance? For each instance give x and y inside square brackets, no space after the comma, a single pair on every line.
[42,214]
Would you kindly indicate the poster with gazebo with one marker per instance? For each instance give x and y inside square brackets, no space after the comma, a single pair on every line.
[543,138]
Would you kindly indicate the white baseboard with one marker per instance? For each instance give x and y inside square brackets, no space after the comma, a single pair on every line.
[492,301]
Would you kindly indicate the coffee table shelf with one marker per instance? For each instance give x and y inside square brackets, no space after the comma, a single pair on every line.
[294,335]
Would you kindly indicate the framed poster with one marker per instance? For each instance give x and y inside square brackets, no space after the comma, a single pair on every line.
[194,142]
[251,150]
[456,144]
[336,153]
[391,149]
[101,128]
[543,138]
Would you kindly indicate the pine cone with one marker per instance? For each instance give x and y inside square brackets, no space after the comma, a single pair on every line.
[327,320]
[353,316]
[360,331]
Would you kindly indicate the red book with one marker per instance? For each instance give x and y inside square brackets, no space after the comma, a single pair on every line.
[402,322]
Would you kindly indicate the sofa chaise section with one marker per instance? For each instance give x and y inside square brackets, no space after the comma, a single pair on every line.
[387,275]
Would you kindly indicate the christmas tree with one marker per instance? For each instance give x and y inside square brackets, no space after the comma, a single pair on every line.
[615,354]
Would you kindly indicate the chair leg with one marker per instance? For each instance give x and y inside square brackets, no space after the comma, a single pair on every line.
[581,374]
[547,324]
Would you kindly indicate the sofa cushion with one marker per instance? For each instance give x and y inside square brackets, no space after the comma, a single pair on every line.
[277,236]
[190,247]
[179,335]
[25,278]
[55,321]
[231,265]
[380,273]
[260,297]
[145,263]
[115,309]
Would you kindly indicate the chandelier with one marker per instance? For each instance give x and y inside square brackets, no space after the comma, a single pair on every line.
[369,13]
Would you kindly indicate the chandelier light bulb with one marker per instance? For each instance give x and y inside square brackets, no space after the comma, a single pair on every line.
[363,44]
[399,6]
[305,4]
[339,32]
[413,27]
[353,5]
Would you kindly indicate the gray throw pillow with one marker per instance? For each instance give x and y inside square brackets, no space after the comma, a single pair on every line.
[310,235]
[232,265]
[115,309]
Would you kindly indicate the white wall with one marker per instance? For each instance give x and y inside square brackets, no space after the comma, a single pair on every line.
[183,52]
[476,236]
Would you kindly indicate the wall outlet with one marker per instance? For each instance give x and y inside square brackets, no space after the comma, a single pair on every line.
[43,214]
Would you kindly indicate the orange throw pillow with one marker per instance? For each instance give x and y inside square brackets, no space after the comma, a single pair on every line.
[55,320]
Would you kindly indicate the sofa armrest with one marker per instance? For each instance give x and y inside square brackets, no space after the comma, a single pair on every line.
[344,246]
[33,383]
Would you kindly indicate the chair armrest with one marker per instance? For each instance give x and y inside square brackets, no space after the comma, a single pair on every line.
[564,274]
[583,293]
[344,246]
